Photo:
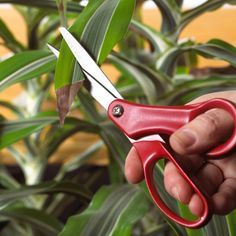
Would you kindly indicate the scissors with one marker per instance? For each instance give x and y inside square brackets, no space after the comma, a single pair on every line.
[142,124]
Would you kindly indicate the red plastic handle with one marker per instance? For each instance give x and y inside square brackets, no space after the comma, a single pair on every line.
[138,120]
[150,152]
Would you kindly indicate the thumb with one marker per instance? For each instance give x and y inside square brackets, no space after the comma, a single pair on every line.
[203,133]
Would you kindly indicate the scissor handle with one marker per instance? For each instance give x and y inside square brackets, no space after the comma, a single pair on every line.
[150,152]
[138,121]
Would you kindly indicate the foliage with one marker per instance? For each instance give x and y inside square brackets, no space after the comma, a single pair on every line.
[163,73]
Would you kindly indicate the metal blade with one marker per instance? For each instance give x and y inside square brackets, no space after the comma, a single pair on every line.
[53,50]
[99,92]
[87,63]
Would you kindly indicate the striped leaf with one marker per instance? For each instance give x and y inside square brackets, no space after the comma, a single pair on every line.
[231,223]
[215,48]
[81,192]
[24,66]
[171,14]
[38,219]
[13,131]
[48,4]
[100,26]
[209,5]
[113,211]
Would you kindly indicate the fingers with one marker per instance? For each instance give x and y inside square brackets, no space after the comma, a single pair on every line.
[133,167]
[203,133]
[209,176]
[224,200]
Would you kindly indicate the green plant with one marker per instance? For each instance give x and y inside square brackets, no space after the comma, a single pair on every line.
[165,74]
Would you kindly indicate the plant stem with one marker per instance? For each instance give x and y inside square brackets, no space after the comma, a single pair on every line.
[62,6]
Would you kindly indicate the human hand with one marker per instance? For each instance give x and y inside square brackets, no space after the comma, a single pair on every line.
[217,177]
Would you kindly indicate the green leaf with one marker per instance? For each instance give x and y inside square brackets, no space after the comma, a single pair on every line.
[99,27]
[171,14]
[209,5]
[8,37]
[24,66]
[190,89]
[153,83]
[231,222]
[215,48]
[49,4]
[113,211]
[81,192]
[37,218]
[217,226]
[115,140]
[71,126]
[13,131]
[157,40]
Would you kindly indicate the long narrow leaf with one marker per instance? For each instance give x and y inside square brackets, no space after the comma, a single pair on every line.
[36,218]
[13,131]
[113,211]
[209,5]
[49,4]
[8,37]
[24,66]
[100,27]
[231,222]
[170,14]
[7,196]
[215,48]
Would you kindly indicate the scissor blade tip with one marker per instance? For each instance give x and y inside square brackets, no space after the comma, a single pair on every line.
[53,50]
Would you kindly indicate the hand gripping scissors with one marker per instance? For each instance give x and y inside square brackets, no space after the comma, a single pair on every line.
[142,124]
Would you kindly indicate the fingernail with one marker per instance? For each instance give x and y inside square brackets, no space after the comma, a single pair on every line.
[175,193]
[187,137]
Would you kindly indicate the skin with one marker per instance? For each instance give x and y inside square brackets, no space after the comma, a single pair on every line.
[217,177]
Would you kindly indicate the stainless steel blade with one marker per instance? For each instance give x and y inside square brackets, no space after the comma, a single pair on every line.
[94,87]
[87,63]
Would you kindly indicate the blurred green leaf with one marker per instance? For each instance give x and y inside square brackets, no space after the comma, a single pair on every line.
[209,5]
[37,218]
[158,41]
[9,38]
[48,4]
[231,222]
[215,48]
[138,75]
[171,15]
[24,66]
[202,85]
[81,192]
[13,131]
[113,211]
[217,226]
[71,126]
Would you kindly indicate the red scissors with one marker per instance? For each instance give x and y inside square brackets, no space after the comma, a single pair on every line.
[142,124]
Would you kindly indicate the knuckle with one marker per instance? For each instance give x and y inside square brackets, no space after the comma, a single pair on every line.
[209,122]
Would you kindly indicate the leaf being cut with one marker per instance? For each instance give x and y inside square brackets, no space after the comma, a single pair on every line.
[113,211]
[100,26]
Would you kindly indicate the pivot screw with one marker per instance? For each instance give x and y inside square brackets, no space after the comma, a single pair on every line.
[117,111]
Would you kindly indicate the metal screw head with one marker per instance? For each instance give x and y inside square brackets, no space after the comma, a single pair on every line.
[117,111]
